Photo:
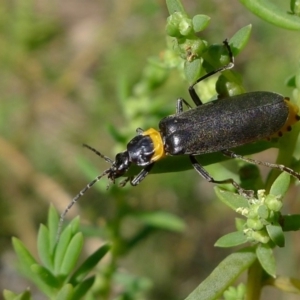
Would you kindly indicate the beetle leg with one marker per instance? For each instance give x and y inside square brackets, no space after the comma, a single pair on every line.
[124,182]
[139,177]
[262,163]
[200,170]
[139,131]
[192,91]
[179,106]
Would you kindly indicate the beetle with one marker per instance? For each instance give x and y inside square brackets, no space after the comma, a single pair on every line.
[216,126]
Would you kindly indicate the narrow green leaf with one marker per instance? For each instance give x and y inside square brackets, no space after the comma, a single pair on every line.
[8,295]
[26,296]
[61,248]
[200,22]
[276,234]
[45,275]
[161,220]
[291,81]
[52,225]
[114,132]
[223,275]
[26,259]
[72,254]
[281,185]
[295,7]
[266,259]
[175,6]
[231,199]
[43,245]
[192,70]
[75,224]
[66,293]
[271,13]
[240,39]
[89,264]
[82,288]
[291,222]
[231,239]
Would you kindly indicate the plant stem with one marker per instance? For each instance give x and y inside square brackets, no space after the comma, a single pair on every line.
[254,283]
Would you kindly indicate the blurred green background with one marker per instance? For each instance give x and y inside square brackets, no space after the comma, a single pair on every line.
[64,66]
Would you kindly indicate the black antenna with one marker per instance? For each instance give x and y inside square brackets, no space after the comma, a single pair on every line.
[106,158]
[75,199]
[83,191]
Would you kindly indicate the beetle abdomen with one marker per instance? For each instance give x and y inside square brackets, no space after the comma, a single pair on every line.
[226,123]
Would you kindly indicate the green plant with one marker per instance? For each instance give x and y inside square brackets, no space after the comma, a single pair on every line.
[263,227]
[55,275]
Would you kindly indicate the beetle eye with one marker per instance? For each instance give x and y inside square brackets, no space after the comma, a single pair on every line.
[122,162]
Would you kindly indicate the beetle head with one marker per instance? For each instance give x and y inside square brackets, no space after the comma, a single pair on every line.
[119,167]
